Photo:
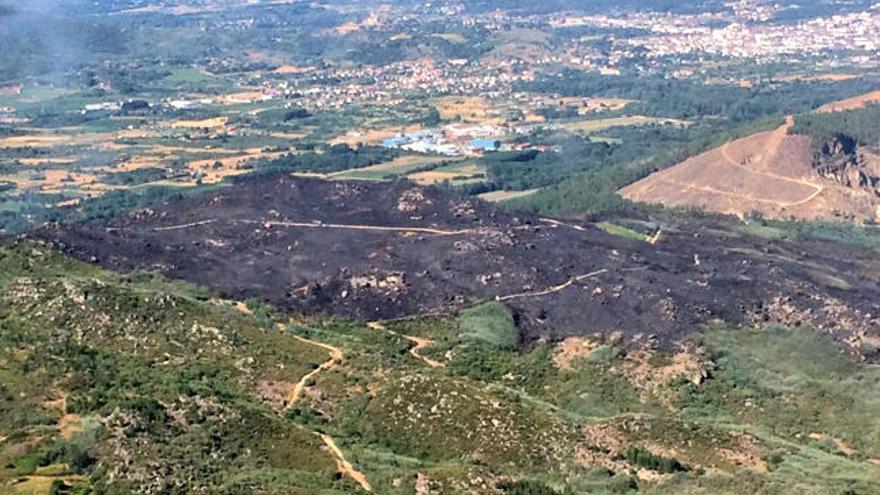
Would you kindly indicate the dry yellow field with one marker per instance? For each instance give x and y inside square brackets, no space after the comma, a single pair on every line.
[200,124]
[496,196]
[241,97]
[67,136]
[819,77]
[398,165]
[229,165]
[33,141]
[469,109]
[292,69]
[601,124]
[437,176]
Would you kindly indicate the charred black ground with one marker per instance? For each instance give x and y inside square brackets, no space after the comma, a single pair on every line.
[376,251]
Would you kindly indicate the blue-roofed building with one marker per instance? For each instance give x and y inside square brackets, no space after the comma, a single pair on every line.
[485,145]
[396,142]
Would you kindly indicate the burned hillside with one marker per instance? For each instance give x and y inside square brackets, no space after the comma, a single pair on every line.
[377,251]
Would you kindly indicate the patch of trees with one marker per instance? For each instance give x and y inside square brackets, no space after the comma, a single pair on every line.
[335,158]
[861,125]
[432,117]
[638,456]
[113,204]
[135,177]
[135,106]
[296,114]
[658,96]
[573,154]
[564,112]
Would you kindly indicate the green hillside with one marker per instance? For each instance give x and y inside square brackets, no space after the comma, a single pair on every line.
[133,384]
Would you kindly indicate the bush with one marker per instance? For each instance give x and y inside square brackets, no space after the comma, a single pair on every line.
[638,456]
[527,487]
[490,323]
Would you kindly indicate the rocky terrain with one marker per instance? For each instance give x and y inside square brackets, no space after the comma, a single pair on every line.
[841,161]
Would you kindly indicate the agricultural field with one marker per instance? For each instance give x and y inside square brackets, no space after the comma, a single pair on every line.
[591,126]
[463,173]
[398,167]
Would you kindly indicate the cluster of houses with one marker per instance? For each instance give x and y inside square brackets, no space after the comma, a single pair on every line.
[451,140]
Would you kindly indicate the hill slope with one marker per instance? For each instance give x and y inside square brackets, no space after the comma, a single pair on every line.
[771,173]
[383,251]
[132,384]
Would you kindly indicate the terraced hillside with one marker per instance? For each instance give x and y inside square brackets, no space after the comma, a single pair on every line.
[134,384]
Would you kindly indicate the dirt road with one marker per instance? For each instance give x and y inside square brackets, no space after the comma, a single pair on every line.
[552,290]
[319,225]
[343,465]
[312,225]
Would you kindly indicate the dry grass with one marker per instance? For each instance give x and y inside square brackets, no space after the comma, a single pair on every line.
[292,69]
[229,166]
[69,426]
[571,349]
[818,77]
[240,97]
[768,172]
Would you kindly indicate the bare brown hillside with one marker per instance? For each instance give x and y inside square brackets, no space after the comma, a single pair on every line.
[851,103]
[768,172]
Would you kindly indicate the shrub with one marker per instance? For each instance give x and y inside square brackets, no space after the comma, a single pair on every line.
[638,456]
[527,487]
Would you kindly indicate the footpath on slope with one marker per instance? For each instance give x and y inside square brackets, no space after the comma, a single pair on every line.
[419,342]
[342,463]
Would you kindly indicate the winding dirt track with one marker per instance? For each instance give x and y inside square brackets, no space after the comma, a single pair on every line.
[773,146]
[419,342]
[335,356]
[342,463]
